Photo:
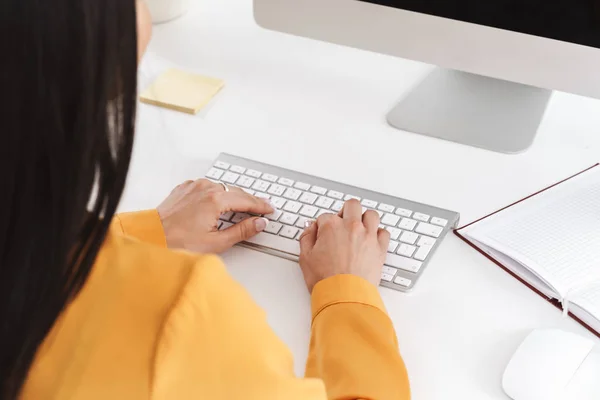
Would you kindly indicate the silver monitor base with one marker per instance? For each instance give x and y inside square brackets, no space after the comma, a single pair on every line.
[470,109]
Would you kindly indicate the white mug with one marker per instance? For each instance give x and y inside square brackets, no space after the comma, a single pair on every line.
[166,10]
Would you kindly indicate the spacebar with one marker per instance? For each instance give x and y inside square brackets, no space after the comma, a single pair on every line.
[289,246]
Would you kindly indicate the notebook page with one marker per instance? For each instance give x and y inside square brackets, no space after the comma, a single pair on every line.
[589,300]
[555,233]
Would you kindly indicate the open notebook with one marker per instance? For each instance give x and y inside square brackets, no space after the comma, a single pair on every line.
[551,242]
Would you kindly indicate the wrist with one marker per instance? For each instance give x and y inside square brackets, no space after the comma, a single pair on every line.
[344,288]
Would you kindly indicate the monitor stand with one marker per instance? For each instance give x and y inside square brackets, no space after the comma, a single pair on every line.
[470,109]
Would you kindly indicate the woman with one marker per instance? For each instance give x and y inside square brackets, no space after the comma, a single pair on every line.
[94,309]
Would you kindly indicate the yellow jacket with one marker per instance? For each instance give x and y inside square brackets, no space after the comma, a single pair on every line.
[153,323]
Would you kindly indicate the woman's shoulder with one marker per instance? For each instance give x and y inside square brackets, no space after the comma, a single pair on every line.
[119,314]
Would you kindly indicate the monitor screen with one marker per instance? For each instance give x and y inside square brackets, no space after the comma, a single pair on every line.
[575,21]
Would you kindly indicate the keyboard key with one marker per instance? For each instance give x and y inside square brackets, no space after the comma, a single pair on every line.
[403,212]
[288,218]
[402,281]
[426,241]
[394,232]
[280,243]
[404,263]
[324,202]
[214,173]
[318,190]
[262,195]
[253,173]
[273,227]
[239,217]
[301,222]
[289,232]
[292,206]
[386,277]
[350,197]
[286,181]
[269,177]
[309,211]
[219,224]
[261,186]
[292,194]
[392,246]
[386,208]
[278,202]
[406,250]
[245,181]
[225,225]
[274,216]
[409,237]
[390,219]
[408,224]
[227,216]
[237,169]
[301,185]
[222,165]
[299,235]
[369,203]
[322,211]
[389,270]
[335,195]
[439,221]
[276,190]
[337,206]
[422,253]
[230,177]
[429,230]
[308,198]
[421,217]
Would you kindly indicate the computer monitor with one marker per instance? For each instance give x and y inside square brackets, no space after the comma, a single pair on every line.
[499,59]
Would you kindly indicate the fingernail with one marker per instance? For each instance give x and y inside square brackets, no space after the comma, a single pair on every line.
[308,223]
[261,224]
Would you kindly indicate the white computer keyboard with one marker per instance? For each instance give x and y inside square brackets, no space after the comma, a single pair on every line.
[416,229]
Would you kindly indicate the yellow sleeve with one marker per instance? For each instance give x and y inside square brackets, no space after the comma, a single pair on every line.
[353,346]
[142,225]
[216,344]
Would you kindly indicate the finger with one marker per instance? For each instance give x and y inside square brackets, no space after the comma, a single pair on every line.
[242,231]
[309,237]
[352,210]
[371,220]
[383,237]
[242,202]
[324,218]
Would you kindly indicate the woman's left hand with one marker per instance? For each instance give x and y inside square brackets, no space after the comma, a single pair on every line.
[191,213]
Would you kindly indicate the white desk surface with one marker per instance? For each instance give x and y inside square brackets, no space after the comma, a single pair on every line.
[319,108]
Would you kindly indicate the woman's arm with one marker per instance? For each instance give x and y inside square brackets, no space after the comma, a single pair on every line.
[353,346]
[142,225]
[216,344]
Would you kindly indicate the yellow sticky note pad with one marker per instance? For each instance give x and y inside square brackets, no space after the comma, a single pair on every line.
[182,91]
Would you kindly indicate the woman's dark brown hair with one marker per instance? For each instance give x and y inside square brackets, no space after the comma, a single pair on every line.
[67,111]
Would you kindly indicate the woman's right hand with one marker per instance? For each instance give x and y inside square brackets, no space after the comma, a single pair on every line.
[348,243]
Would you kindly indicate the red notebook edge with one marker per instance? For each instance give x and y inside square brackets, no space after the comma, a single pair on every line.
[554,302]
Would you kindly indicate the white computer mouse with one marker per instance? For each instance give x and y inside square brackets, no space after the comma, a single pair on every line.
[544,365]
